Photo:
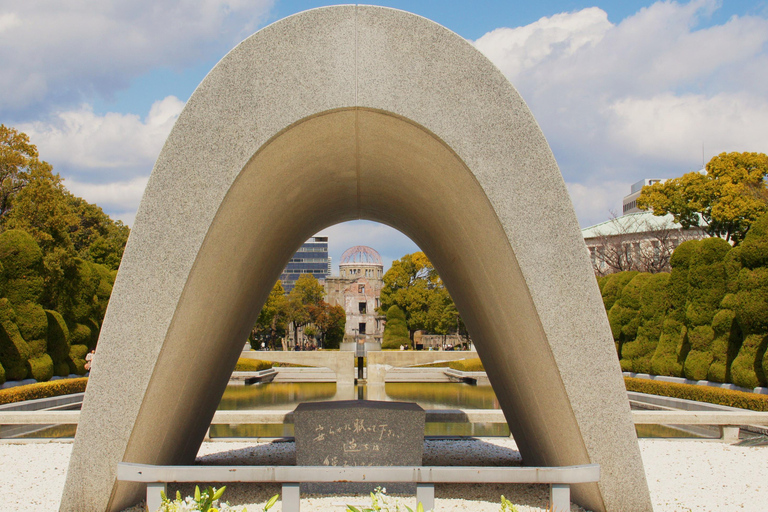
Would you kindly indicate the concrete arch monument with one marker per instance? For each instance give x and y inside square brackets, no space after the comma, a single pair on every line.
[335,114]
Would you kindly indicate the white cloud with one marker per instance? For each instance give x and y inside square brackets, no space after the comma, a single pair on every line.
[677,126]
[120,196]
[622,102]
[517,49]
[82,143]
[596,202]
[68,50]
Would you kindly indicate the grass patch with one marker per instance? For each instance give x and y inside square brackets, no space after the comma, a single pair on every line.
[42,390]
[463,365]
[245,364]
[712,395]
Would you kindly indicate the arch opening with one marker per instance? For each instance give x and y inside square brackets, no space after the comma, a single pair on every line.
[333,167]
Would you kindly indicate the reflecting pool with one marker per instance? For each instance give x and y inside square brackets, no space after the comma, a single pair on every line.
[429,395]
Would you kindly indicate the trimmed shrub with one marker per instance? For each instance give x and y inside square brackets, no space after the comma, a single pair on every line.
[40,368]
[750,305]
[754,248]
[747,369]
[601,282]
[76,359]
[671,350]
[14,351]
[725,346]
[2,374]
[42,390]
[696,366]
[624,316]
[58,343]
[93,326]
[654,304]
[31,321]
[613,286]
[395,330]
[22,263]
[706,281]
[79,334]
[678,279]
[251,365]
[728,397]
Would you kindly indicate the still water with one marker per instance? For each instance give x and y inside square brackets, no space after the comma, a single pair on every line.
[429,395]
[285,396]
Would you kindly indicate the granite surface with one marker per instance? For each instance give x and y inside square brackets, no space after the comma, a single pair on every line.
[330,115]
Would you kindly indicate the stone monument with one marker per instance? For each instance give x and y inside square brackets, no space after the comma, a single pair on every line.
[334,114]
[359,433]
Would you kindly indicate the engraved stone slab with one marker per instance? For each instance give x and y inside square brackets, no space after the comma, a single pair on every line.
[359,433]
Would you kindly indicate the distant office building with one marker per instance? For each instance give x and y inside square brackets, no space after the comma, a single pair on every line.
[358,291]
[629,205]
[311,258]
[637,240]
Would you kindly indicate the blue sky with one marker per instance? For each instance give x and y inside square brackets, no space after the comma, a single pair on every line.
[622,90]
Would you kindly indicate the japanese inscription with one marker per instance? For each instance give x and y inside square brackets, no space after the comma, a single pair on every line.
[359,433]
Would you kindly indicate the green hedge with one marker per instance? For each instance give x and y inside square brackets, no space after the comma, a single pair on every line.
[42,390]
[706,319]
[76,359]
[731,398]
[47,326]
[14,351]
[251,365]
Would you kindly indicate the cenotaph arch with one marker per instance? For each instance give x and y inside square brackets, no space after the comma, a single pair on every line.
[340,113]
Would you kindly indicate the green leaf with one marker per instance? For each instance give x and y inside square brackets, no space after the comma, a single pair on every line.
[178,495]
[217,494]
[419,507]
[271,502]
[350,508]
[197,493]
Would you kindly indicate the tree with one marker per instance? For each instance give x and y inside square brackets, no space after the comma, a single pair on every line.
[413,285]
[395,330]
[330,322]
[18,157]
[727,199]
[34,199]
[271,324]
[306,292]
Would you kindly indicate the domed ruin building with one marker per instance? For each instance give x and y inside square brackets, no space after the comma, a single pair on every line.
[358,291]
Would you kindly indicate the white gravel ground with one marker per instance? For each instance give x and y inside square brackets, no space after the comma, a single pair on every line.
[682,475]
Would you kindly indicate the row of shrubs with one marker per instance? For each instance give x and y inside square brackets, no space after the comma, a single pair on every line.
[712,395]
[43,390]
[38,340]
[705,320]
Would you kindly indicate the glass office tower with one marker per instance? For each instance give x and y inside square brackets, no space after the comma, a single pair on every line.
[311,258]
